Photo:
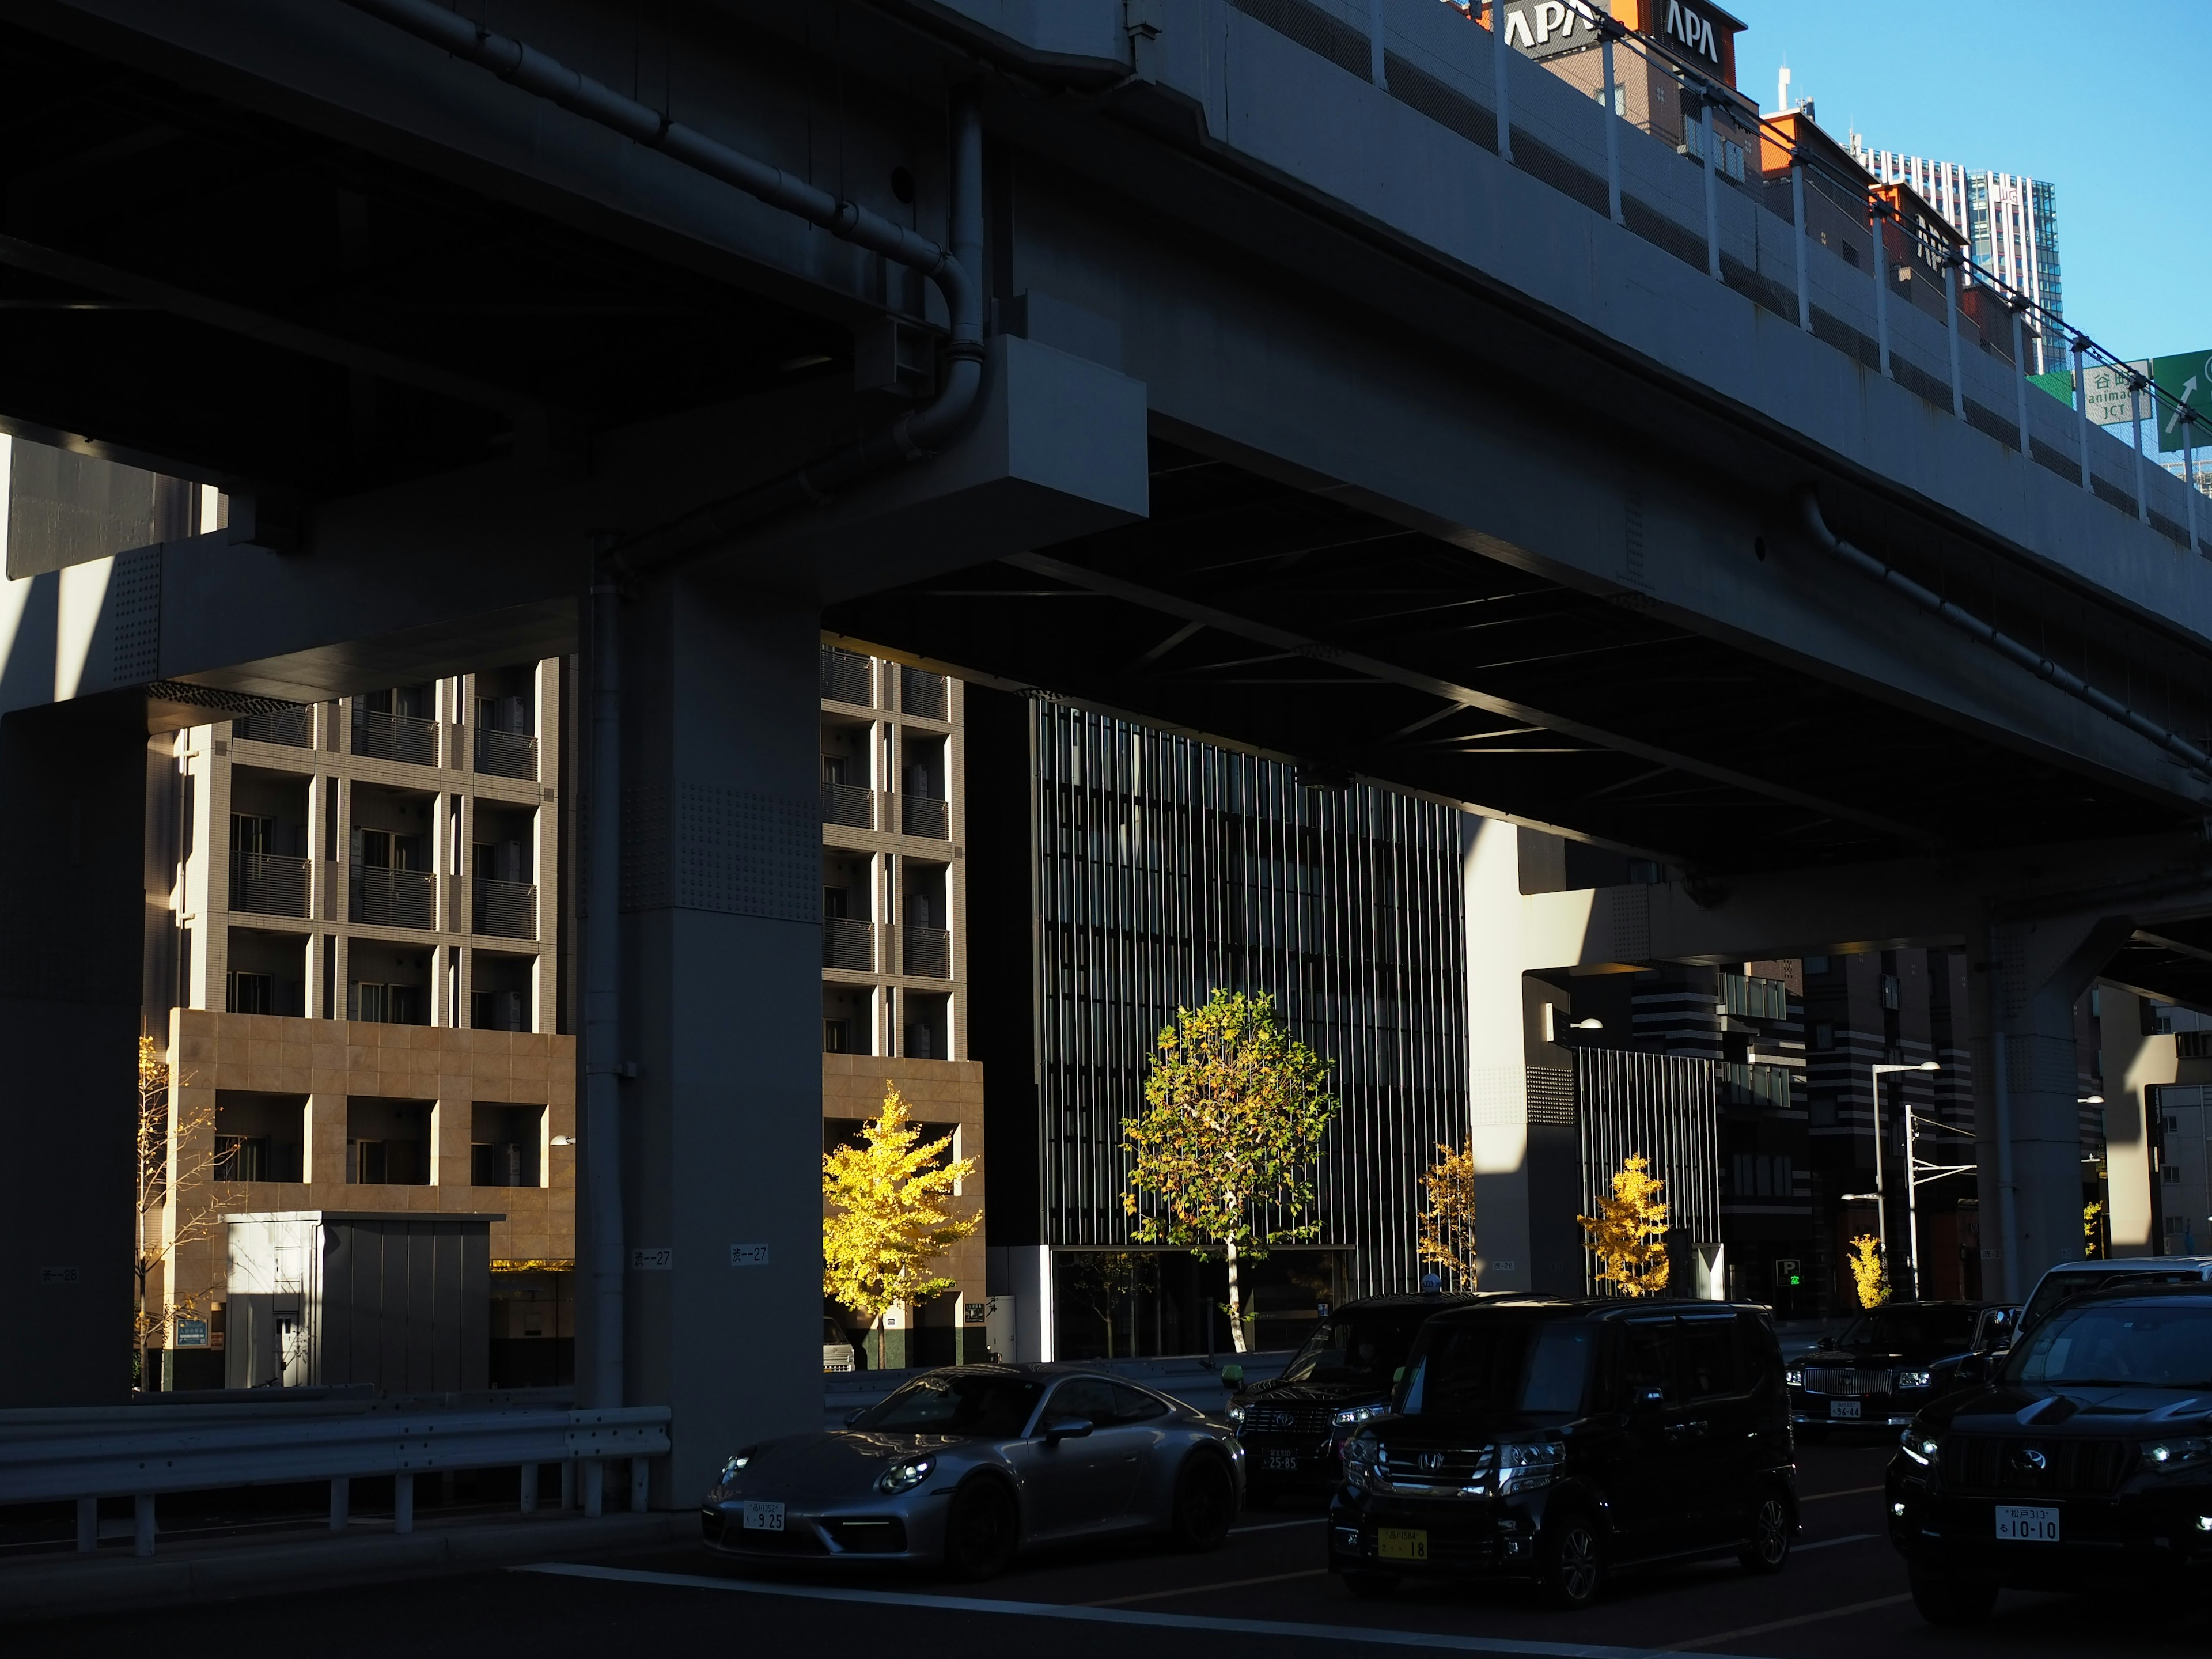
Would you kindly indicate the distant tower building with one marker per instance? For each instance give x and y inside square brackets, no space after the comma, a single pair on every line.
[2011,221]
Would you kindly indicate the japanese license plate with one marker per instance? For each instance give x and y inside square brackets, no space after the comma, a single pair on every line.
[1282,1463]
[763,1517]
[2027,1524]
[1843,1408]
[1402,1544]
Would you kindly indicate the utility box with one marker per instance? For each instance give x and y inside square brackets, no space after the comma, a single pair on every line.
[398,1300]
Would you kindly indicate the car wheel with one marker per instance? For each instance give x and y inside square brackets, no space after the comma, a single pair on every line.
[1205,1504]
[1371,1586]
[982,1532]
[1573,1562]
[1769,1548]
[1946,1600]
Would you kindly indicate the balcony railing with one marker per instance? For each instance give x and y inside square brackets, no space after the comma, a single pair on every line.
[927,953]
[394,898]
[846,678]
[295,727]
[505,909]
[923,692]
[394,737]
[848,944]
[921,816]
[506,754]
[849,805]
[269,883]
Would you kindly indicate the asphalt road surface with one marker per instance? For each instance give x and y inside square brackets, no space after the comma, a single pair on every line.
[1843,1595]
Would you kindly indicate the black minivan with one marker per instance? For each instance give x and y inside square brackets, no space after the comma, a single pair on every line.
[1553,1440]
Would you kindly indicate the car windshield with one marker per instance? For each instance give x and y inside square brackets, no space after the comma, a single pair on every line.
[2159,1344]
[1501,1365]
[1356,1348]
[2058,1288]
[991,1405]
[1912,1330]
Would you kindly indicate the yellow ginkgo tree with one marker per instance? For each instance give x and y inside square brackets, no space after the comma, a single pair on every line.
[888,1219]
[1448,1224]
[1870,1273]
[1235,1110]
[1628,1235]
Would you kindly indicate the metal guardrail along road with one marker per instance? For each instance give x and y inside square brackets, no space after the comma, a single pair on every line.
[43,1462]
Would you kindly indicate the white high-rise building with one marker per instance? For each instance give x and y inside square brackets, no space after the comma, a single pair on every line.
[2012,222]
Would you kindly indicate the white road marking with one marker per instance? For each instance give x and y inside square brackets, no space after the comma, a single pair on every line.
[1830,1543]
[1848,1492]
[1786,1624]
[1366,1635]
[1277,1526]
[1200,1590]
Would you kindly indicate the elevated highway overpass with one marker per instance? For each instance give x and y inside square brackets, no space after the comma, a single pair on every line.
[1316,410]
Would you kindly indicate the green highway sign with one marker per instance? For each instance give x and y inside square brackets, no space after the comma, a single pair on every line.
[2186,378]
[2111,401]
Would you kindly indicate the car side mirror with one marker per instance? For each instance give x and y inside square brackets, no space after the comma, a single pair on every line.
[1397,1377]
[1066,1428]
[1650,1399]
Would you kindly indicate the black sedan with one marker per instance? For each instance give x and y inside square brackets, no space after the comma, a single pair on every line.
[1887,1363]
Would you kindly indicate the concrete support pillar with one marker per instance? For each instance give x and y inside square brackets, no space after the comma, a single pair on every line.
[2030,1127]
[2134,1064]
[720,984]
[1498,1077]
[72,936]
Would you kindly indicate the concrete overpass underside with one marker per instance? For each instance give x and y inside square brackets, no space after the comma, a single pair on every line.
[1306,423]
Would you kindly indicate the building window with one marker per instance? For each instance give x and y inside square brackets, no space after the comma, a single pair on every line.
[836,1036]
[1824,1035]
[1890,991]
[2174,1175]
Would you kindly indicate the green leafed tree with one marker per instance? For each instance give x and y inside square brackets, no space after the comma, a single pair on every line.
[1235,1111]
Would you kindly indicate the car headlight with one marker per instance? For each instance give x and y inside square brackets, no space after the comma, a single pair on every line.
[736,1464]
[1236,1415]
[1910,1380]
[1795,1377]
[1352,1416]
[905,1475]
[1920,1446]
[2165,1456]
[1525,1468]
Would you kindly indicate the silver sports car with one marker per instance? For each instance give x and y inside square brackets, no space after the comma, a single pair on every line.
[963,1468]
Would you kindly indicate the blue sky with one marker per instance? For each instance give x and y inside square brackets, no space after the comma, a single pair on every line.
[2067,90]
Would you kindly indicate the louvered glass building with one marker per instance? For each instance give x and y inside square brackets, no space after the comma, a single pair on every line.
[1119,872]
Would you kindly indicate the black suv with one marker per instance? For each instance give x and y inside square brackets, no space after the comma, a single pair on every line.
[1293,1429]
[1887,1363]
[1556,1440]
[2085,1463]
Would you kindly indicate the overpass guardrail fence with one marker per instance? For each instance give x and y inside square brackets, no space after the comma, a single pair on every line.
[1612,120]
[144,1453]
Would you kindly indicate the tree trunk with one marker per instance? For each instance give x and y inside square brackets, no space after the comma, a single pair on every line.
[1235,1302]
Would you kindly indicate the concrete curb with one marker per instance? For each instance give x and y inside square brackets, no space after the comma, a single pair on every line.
[61,1586]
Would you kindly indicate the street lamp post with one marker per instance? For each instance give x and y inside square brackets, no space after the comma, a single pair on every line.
[1880,1191]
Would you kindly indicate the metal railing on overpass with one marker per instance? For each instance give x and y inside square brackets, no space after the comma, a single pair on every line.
[1757,202]
[143,1452]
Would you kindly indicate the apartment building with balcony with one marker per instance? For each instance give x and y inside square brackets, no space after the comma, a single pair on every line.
[358,969]
[895,969]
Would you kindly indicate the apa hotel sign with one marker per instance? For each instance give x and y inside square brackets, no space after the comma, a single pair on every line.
[1692,30]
